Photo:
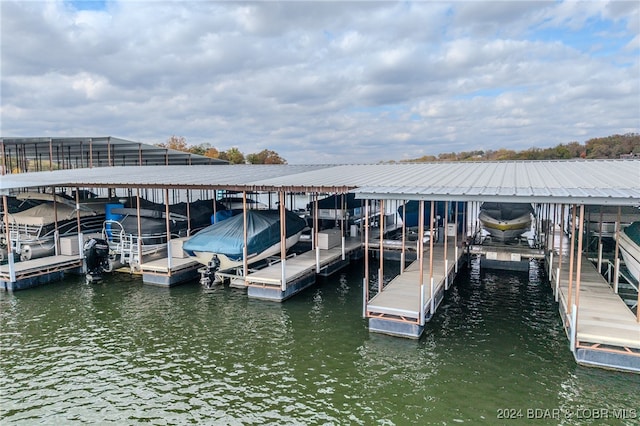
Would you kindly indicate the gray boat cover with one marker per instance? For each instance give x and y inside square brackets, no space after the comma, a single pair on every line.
[227,237]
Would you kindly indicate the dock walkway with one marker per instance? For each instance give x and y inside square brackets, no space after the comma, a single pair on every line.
[32,272]
[607,332]
[165,272]
[396,309]
[300,271]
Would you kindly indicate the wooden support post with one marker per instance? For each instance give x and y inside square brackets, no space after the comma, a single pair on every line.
[56,234]
[381,228]
[431,290]
[616,273]
[188,213]
[420,247]
[421,312]
[446,237]
[283,242]
[404,236]
[245,261]
[168,225]
[560,252]
[455,239]
[366,255]
[7,236]
[365,296]
[571,255]
[343,224]
[80,235]
[553,238]
[579,269]
[314,242]
[573,329]
[599,244]
[138,240]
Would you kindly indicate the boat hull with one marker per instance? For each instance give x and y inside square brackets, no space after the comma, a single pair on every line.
[505,230]
[630,252]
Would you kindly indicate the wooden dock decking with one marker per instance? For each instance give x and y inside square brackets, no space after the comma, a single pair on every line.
[300,265]
[604,323]
[299,272]
[161,265]
[399,300]
[158,272]
[32,272]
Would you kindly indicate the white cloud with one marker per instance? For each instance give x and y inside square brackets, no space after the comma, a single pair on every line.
[324,81]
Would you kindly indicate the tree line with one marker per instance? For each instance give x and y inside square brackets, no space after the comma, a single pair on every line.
[609,147]
[232,155]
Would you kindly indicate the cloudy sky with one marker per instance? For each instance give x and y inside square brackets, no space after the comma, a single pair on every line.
[323,81]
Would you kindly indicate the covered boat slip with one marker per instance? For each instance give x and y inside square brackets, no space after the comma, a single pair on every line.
[299,271]
[604,330]
[612,183]
[396,310]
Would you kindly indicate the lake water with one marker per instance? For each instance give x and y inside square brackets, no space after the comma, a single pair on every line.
[121,352]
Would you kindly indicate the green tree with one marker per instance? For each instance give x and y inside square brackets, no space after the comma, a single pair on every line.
[233,156]
[265,157]
[199,149]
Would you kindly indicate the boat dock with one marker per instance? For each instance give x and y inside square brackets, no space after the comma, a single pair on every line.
[174,268]
[167,273]
[602,329]
[403,306]
[299,271]
[31,273]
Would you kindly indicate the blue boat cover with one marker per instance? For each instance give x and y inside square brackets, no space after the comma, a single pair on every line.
[227,236]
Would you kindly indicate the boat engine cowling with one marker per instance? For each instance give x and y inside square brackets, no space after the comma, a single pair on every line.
[96,253]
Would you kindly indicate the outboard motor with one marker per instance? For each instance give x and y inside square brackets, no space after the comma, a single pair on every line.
[96,253]
[208,277]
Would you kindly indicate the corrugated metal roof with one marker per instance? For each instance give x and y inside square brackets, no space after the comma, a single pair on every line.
[615,182]
[219,176]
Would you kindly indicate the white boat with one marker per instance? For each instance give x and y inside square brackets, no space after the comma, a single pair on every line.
[33,230]
[506,221]
[629,240]
[221,244]
[130,245]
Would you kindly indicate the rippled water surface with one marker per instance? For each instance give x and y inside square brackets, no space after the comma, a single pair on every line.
[126,353]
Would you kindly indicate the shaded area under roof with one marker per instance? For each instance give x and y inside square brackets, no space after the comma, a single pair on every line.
[85,152]
[598,182]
